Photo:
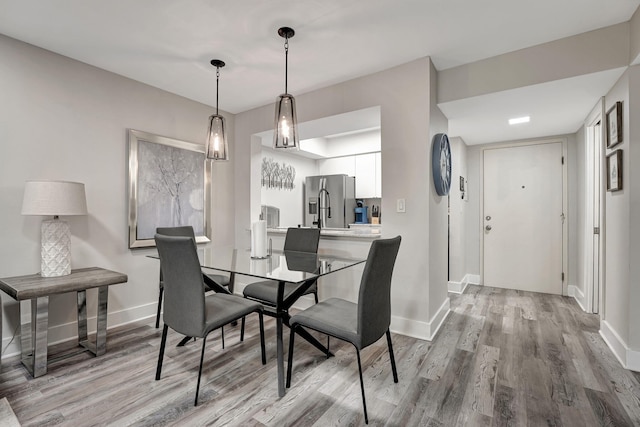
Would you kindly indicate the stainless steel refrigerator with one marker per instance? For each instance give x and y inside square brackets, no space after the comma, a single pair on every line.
[329,201]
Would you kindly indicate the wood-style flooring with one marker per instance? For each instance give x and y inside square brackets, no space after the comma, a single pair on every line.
[502,358]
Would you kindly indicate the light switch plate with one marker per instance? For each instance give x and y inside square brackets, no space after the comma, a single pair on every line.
[400,206]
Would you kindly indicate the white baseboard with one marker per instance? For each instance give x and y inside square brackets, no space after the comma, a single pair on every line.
[472,279]
[457,287]
[579,296]
[421,330]
[628,358]
[69,331]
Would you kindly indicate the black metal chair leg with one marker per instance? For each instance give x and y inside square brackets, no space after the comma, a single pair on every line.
[204,342]
[159,308]
[242,330]
[315,294]
[393,360]
[222,335]
[364,401]
[328,351]
[161,354]
[262,348]
[290,364]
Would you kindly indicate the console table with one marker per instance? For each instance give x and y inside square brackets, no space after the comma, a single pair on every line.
[33,293]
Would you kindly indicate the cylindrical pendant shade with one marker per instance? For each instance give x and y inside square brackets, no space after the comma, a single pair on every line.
[217,146]
[286,127]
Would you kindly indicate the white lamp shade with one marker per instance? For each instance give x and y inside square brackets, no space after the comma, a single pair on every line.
[54,198]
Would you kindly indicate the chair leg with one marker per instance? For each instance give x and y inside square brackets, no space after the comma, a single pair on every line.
[364,401]
[262,349]
[242,330]
[222,335]
[204,342]
[328,351]
[315,294]
[292,336]
[159,308]
[161,354]
[393,360]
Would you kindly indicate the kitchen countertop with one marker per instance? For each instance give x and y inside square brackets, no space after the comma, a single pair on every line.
[356,232]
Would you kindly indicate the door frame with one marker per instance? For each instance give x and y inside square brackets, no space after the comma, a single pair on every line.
[592,153]
[565,193]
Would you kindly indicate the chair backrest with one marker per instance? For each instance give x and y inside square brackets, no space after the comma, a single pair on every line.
[374,300]
[302,239]
[184,309]
[182,231]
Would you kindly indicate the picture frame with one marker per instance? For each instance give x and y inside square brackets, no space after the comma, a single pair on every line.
[614,125]
[169,185]
[614,171]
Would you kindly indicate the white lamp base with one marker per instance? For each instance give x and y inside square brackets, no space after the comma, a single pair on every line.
[56,248]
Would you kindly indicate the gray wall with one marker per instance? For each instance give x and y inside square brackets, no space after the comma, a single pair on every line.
[62,119]
[403,93]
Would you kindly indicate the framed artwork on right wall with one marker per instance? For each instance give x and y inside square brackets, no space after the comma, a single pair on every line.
[614,171]
[614,125]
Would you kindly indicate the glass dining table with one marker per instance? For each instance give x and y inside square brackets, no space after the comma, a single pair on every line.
[300,268]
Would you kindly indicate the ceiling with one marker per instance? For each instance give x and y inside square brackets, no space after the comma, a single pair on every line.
[169,43]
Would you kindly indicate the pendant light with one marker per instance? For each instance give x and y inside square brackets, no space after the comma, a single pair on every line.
[217,146]
[286,124]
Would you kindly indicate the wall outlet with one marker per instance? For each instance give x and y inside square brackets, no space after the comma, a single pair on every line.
[400,206]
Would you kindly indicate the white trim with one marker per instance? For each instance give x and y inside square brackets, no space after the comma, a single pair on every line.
[579,296]
[459,287]
[421,330]
[628,358]
[473,279]
[456,287]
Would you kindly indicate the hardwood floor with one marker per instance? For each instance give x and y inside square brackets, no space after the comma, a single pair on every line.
[503,358]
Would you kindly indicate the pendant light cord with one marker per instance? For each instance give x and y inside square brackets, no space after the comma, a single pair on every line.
[286,62]
[217,80]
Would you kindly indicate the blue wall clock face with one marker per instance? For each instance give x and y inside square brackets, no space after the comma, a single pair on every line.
[441,163]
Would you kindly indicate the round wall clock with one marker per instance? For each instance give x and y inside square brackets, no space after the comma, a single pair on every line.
[441,163]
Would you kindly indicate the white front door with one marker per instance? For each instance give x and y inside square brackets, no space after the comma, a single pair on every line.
[523,218]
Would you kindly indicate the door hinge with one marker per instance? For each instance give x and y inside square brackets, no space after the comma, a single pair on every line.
[562,276]
[596,230]
[562,160]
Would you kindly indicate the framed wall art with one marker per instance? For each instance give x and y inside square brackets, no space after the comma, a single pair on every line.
[614,171]
[614,125]
[169,185]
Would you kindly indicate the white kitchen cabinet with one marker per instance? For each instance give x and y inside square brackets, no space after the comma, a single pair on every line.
[337,165]
[368,176]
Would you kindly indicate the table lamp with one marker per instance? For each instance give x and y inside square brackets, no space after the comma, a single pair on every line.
[54,198]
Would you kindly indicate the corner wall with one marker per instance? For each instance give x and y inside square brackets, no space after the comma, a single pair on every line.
[62,119]
[403,93]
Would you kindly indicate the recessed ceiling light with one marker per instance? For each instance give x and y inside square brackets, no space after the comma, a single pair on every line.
[518,120]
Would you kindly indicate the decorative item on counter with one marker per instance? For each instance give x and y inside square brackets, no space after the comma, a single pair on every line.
[259,239]
[361,213]
[375,214]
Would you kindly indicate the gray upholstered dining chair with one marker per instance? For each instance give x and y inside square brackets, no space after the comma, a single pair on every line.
[187,310]
[361,324]
[213,282]
[297,239]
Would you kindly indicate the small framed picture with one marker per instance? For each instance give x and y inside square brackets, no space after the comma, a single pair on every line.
[614,125]
[614,171]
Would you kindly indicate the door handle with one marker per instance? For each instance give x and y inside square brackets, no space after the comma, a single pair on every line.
[488,228]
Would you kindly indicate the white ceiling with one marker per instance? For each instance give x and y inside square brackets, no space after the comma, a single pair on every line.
[169,43]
